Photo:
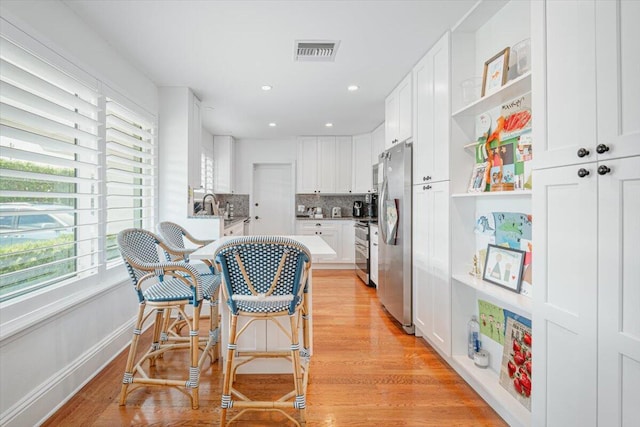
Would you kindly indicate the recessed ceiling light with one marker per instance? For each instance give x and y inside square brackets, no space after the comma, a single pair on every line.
[328,125]
[353,88]
[272,125]
[266,87]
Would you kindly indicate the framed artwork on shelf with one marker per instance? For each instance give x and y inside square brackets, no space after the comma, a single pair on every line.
[495,72]
[503,266]
[478,180]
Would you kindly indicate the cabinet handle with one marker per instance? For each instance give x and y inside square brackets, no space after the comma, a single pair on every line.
[602,148]
[375,244]
[318,224]
[583,152]
[603,170]
[426,187]
[582,172]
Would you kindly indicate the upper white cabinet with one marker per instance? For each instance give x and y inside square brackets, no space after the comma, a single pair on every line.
[362,169]
[223,159]
[431,118]
[377,144]
[324,165]
[194,141]
[344,165]
[398,113]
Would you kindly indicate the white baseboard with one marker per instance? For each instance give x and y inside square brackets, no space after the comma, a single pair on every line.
[42,402]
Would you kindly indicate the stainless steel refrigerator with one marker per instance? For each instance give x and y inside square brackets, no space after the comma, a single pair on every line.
[394,223]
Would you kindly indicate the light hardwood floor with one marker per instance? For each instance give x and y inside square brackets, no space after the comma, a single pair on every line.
[365,372]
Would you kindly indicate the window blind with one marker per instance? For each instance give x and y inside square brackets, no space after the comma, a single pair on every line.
[131,175]
[49,173]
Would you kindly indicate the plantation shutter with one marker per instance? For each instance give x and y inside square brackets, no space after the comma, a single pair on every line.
[49,173]
[131,174]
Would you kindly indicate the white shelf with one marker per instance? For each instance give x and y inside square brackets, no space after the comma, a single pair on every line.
[522,303]
[481,194]
[516,87]
[487,383]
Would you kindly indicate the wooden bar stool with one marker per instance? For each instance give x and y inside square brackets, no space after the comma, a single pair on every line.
[163,286]
[264,278]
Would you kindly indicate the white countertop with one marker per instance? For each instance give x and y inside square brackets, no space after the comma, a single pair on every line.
[316,245]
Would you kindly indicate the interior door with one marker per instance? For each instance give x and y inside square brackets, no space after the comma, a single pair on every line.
[272,200]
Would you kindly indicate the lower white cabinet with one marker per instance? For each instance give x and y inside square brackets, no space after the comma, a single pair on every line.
[338,234]
[234,230]
[373,254]
[431,267]
[586,319]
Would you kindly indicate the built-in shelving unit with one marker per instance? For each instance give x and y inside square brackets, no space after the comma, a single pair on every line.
[487,29]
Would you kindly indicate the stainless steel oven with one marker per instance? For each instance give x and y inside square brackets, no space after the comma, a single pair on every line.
[362,250]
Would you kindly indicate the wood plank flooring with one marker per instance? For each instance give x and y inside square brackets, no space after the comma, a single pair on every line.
[365,372]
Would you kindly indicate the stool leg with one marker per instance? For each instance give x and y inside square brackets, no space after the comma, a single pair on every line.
[228,370]
[128,371]
[194,370]
[157,330]
[300,398]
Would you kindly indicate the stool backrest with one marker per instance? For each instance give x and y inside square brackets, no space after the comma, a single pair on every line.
[263,266]
[172,233]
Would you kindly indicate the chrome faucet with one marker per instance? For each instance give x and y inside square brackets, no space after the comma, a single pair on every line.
[210,207]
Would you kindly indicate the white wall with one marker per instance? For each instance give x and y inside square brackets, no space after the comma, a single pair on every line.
[50,346]
[250,151]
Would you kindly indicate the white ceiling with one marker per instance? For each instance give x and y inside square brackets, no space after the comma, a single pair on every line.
[226,50]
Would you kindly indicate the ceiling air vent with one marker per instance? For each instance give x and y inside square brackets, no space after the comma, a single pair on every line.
[315,50]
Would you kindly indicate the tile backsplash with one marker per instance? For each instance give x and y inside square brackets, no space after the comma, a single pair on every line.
[345,202]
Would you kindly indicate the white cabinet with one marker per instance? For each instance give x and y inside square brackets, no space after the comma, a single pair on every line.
[397,113]
[324,165]
[347,242]
[431,271]
[362,169]
[586,204]
[223,160]
[338,234]
[373,254]
[344,165]
[377,144]
[234,230]
[307,165]
[431,118]
[194,141]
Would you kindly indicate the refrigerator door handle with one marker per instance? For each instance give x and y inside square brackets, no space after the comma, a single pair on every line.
[383,211]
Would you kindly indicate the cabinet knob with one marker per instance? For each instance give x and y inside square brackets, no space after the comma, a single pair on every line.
[318,224]
[603,170]
[582,172]
[426,187]
[428,178]
[256,204]
[583,152]
[319,232]
[602,148]
[257,217]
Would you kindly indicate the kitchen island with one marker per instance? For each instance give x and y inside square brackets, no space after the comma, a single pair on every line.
[263,335]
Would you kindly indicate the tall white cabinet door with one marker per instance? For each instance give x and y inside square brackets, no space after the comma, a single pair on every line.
[618,86]
[405,107]
[307,167]
[564,81]
[391,120]
[377,144]
[431,271]
[565,306]
[344,165]
[431,114]
[326,164]
[619,293]
[362,169]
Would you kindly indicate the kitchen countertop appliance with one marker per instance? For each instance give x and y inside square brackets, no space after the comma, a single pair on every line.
[394,245]
[336,212]
[372,205]
[358,209]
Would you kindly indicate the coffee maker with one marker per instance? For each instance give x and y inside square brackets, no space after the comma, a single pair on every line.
[372,205]
[358,209]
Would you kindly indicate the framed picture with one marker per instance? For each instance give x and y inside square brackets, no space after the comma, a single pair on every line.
[503,267]
[495,72]
[478,180]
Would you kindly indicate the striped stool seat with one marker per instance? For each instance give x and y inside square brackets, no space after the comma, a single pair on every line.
[264,278]
[164,286]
